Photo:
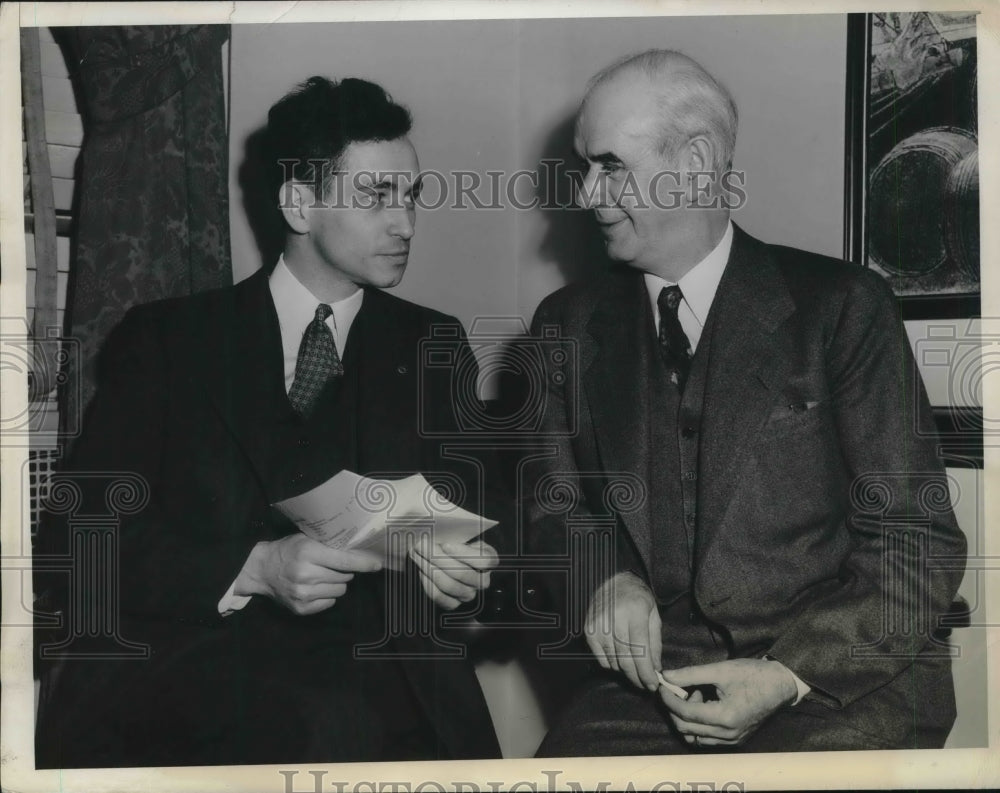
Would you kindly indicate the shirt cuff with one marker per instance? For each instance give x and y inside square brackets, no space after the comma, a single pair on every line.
[232,602]
[800,686]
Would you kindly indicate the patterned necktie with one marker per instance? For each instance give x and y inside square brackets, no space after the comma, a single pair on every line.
[674,342]
[317,363]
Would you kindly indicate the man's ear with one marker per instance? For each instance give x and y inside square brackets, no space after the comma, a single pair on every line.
[293,198]
[699,154]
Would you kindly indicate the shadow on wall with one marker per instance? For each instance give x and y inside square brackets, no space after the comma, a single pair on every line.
[261,207]
[572,242]
[572,239]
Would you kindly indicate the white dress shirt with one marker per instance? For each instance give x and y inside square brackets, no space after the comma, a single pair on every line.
[698,288]
[296,308]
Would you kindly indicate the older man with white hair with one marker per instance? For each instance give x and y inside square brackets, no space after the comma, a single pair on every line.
[773,592]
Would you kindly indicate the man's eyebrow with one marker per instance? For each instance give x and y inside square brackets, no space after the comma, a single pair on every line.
[388,181]
[606,158]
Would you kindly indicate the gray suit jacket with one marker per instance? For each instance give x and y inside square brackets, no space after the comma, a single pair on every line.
[822,508]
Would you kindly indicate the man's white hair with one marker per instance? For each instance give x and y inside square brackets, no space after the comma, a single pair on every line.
[690,101]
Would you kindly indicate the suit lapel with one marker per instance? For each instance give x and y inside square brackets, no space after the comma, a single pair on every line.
[745,366]
[242,366]
[385,410]
[615,382]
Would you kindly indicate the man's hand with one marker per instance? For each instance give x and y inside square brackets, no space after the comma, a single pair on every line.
[623,629]
[452,574]
[749,691]
[301,574]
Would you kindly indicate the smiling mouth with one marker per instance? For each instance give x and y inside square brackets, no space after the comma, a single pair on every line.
[606,226]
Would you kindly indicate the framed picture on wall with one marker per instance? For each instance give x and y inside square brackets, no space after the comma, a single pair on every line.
[912,177]
[912,197]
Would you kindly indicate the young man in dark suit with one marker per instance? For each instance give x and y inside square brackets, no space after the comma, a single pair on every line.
[266,646]
[776,564]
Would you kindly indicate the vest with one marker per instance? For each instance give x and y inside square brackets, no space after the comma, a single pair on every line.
[674,431]
[303,453]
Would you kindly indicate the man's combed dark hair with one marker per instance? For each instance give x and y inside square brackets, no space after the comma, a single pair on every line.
[320,118]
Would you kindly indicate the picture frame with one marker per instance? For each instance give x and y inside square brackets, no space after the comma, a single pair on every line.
[911,159]
[911,176]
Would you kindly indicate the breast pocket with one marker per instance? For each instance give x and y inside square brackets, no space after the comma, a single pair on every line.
[797,417]
[797,471]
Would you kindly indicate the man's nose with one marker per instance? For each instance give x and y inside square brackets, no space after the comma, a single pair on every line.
[403,223]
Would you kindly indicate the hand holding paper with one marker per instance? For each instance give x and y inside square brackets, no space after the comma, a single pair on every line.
[452,574]
[300,573]
[382,518]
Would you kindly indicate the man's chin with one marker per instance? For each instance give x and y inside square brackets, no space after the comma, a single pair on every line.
[391,279]
[617,252]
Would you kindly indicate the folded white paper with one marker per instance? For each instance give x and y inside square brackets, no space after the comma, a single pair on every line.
[380,516]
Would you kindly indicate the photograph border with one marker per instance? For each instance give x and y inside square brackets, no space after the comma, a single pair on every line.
[872,769]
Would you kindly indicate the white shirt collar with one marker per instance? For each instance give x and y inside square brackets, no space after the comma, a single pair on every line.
[296,307]
[698,286]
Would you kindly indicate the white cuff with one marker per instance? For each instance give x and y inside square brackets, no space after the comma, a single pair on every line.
[800,686]
[231,601]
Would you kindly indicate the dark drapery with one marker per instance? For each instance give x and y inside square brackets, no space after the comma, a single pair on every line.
[152,200]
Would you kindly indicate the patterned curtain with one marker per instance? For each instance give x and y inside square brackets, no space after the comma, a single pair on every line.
[152,200]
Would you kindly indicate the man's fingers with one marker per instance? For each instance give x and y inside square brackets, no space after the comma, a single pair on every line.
[343,561]
[712,742]
[597,641]
[630,645]
[434,592]
[313,606]
[700,742]
[702,730]
[697,675]
[325,575]
[443,581]
[710,713]
[641,650]
[480,556]
[655,639]
[455,569]
[676,691]
[700,734]
[597,649]
[328,591]
[627,663]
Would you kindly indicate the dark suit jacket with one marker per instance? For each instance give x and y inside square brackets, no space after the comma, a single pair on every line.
[821,503]
[191,403]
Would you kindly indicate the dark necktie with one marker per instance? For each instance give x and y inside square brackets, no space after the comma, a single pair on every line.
[674,342]
[317,363]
